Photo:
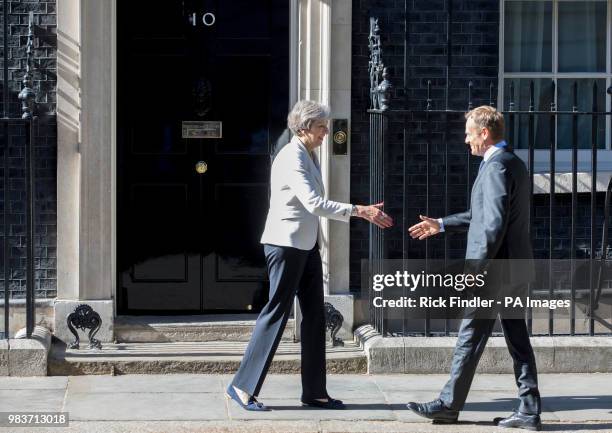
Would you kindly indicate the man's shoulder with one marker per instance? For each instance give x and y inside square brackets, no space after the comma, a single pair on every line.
[508,159]
[508,164]
[515,168]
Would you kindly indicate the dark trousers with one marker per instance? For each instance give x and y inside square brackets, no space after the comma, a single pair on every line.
[291,271]
[471,341]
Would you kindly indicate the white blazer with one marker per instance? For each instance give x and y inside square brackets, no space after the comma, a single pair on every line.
[298,200]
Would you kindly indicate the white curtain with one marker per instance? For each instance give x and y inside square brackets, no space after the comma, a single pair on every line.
[528,36]
[582,36]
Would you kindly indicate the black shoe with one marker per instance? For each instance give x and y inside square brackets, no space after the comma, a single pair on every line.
[331,403]
[436,411]
[520,420]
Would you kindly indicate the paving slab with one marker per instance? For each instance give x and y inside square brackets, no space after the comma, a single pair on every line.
[31,400]
[275,386]
[575,384]
[120,406]
[435,382]
[46,382]
[146,383]
[291,409]
[355,387]
[397,401]
[410,382]
[577,408]
[484,406]
[341,387]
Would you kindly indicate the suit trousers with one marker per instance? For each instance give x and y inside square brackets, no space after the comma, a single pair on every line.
[471,341]
[292,271]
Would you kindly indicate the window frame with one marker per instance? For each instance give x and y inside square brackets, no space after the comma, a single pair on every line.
[563,157]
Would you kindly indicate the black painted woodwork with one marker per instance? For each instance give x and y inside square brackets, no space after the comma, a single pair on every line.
[189,242]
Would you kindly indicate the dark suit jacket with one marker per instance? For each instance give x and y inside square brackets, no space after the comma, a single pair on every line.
[498,219]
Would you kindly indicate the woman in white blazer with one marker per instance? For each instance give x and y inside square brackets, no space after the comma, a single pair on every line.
[294,263]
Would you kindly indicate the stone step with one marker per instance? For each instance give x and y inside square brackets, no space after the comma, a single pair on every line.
[202,328]
[212,357]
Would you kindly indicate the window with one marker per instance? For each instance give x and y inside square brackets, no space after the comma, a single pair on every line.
[554,44]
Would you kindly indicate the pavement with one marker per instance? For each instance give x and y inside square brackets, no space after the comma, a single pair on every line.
[375,403]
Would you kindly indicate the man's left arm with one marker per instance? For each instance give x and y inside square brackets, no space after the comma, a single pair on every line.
[496,207]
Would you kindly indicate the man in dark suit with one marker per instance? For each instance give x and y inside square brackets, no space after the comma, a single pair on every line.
[497,225]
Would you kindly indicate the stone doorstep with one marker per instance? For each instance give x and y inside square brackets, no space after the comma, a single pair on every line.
[433,355]
[189,357]
[135,329]
[22,356]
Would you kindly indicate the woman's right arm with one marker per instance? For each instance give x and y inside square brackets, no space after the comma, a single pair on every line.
[302,184]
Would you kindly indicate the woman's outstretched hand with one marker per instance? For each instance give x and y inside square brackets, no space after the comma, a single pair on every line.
[375,215]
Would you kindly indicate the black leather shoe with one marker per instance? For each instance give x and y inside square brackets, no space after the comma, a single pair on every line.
[520,420]
[436,411]
[331,403]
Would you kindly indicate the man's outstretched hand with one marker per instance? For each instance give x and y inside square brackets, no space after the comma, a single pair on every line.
[426,228]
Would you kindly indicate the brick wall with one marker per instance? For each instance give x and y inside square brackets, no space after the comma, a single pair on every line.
[475,32]
[44,80]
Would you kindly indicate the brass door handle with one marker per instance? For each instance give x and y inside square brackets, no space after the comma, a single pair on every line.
[201,167]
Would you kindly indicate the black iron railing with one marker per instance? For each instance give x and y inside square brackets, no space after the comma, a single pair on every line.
[377,187]
[19,126]
[597,250]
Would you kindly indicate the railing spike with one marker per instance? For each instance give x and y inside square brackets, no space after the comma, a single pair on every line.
[470,103]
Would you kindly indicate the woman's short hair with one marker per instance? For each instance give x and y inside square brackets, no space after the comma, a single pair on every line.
[304,113]
[488,117]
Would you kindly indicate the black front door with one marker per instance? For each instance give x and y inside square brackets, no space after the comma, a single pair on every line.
[202,95]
